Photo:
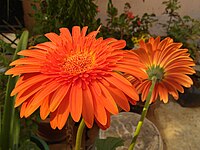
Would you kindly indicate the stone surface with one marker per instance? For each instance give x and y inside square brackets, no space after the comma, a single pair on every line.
[123,125]
[178,126]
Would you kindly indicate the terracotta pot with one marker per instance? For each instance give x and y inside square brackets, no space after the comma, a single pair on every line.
[65,139]
[50,135]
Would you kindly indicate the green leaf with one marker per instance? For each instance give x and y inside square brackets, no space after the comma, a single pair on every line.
[9,110]
[39,142]
[22,44]
[34,7]
[29,145]
[15,131]
[6,48]
[0,126]
[110,143]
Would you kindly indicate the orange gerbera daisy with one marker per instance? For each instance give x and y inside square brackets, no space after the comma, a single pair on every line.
[169,63]
[75,74]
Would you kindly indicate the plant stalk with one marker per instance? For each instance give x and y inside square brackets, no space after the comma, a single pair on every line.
[79,135]
[143,115]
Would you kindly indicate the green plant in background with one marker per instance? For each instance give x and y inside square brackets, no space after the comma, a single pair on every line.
[10,126]
[15,133]
[5,51]
[53,14]
[6,48]
[126,26]
[182,29]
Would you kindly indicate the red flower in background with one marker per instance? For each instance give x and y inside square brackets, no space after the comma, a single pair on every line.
[139,22]
[98,10]
[130,15]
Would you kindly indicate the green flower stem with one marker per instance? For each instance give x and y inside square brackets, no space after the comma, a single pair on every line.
[79,135]
[143,115]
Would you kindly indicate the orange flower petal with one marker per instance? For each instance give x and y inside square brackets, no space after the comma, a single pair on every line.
[145,90]
[88,107]
[104,127]
[96,88]
[99,110]
[84,30]
[48,89]
[66,35]
[119,98]
[118,44]
[26,61]
[44,109]
[63,112]
[54,119]
[26,93]
[163,93]
[107,100]
[31,108]
[33,53]
[76,32]
[54,38]
[76,101]
[58,97]
[23,109]
[129,90]
[182,79]
[29,82]
[23,69]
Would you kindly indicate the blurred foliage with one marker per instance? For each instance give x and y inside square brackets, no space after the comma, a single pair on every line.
[110,143]
[50,15]
[6,48]
[28,126]
[182,29]
[5,52]
[34,143]
[126,25]
[29,145]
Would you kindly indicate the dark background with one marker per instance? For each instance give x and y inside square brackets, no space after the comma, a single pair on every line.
[11,13]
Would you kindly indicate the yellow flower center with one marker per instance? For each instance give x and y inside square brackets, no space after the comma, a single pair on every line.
[78,63]
[155,71]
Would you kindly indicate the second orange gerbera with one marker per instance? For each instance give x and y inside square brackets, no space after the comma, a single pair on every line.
[169,63]
[75,75]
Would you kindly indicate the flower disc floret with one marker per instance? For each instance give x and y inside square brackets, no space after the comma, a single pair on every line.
[77,64]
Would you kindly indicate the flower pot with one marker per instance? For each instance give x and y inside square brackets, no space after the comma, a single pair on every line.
[50,135]
[123,125]
[65,139]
